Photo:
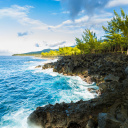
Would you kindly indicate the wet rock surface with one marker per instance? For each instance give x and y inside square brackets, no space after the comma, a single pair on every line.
[108,110]
[39,66]
[48,65]
[92,67]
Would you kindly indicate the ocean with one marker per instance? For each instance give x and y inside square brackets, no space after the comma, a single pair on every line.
[24,87]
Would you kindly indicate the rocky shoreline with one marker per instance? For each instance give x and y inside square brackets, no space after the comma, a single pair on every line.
[108,110]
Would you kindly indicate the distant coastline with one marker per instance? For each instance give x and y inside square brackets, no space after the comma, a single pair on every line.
[38,56]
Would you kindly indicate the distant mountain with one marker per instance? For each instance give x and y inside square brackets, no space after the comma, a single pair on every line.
[39,52]
[45,50]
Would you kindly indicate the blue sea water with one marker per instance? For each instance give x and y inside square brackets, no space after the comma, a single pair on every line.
[23,88]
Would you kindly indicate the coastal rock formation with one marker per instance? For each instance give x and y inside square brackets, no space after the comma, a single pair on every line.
[39,66]
[108,110]
[92,67]
[111,77]
[126,70]
[48,65]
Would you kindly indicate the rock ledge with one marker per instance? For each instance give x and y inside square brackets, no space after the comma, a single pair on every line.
[108,110]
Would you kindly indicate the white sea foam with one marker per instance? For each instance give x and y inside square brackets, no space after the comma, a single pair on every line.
[46,71]
[29,62]
[79,90]
[31,67]
[16,119]
[79,87]
[50,72]
[36,63]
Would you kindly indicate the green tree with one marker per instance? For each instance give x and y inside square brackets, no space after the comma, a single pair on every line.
[117,31]
[88,43]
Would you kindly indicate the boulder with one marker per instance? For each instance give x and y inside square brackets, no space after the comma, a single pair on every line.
[125,82]
[103,87]
[99,92]
[90,124]
[111,77]
[74,125]
[106,120]
[92,90]
[39,66]
[102,120]
[126,70]
[48,65]
[89,80]
[125,124]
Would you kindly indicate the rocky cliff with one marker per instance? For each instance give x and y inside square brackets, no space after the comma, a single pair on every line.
[108,110]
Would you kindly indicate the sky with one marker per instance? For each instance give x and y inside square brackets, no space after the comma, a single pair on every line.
[34,25]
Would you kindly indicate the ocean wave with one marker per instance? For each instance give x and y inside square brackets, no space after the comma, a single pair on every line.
[16,119]
[28,87]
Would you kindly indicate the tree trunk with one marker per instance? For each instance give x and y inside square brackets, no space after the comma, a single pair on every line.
[122,50]
[127,51]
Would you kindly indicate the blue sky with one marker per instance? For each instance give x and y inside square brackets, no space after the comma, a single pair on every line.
[32,25]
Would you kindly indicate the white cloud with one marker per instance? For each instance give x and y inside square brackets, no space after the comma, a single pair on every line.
[66,31]
[96,21]
[66,12]
[54,13]
[81,12]
[4,53]
[15,11]
[21,15]
[57,44]
[114,3]
[89,6]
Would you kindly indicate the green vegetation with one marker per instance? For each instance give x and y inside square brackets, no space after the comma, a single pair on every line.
[88,43]
[65,51]
[116,39]
[26,55]
[117,32]
[36,53]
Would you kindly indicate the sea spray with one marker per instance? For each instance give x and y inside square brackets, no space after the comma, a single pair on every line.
[23,88]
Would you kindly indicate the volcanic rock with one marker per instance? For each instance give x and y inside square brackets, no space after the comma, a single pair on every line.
[108,110]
